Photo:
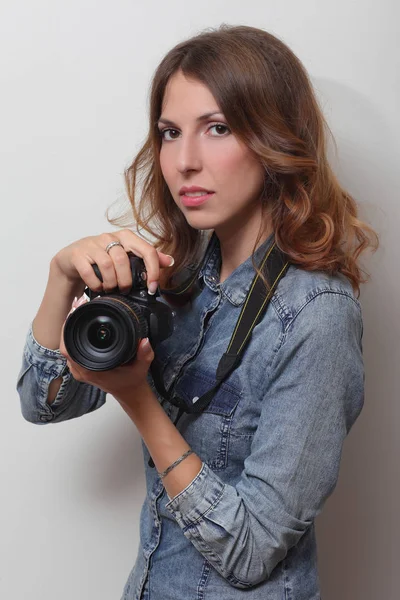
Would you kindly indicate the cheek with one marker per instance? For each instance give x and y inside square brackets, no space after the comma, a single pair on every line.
[235,168]
[226,162]
[165,165]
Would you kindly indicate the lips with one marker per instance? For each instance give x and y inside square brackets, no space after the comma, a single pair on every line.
[195,200]
[193,188]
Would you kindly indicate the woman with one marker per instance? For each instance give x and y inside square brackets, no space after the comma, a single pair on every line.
[236,148]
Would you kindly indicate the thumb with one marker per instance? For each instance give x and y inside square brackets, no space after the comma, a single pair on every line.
[145,351]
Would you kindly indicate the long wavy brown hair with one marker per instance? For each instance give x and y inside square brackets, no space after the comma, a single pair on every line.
[268,101]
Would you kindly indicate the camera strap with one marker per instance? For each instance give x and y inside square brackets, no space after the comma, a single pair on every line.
[273,266]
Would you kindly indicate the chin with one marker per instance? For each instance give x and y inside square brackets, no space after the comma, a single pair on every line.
[201,223]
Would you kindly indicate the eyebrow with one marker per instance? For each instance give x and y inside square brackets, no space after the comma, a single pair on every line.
[199,119]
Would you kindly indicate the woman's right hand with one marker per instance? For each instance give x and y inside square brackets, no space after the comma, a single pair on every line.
[75,261]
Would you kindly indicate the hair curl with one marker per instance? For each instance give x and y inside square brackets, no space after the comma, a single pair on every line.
[268,101]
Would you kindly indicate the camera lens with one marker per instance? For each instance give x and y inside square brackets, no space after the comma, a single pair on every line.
[105,332]
[101,335]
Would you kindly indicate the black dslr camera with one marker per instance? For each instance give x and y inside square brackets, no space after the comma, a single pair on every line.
[105,332]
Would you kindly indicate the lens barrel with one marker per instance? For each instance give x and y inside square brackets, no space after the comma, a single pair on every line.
[105,332]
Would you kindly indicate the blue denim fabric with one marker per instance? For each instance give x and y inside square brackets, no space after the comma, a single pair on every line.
[270,441]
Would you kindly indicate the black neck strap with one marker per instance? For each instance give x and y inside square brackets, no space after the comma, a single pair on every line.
[273,266]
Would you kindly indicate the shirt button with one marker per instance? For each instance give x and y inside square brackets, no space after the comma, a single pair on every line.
[195,399]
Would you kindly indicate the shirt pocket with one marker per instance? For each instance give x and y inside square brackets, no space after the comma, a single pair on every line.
[208,433]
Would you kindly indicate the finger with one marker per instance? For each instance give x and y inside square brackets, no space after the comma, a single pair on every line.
[84,265]
[153,260]
[166,260]
[122,268]
[145,352]
[78,302]
[95,252]
[105,260]
[114,265]
[76,374]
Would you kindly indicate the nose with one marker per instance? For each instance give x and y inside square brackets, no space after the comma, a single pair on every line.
[188,156]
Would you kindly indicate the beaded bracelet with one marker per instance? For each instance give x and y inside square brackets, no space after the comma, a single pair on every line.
[175,464]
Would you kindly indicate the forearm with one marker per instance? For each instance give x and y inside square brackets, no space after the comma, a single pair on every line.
[164,442]
[53,311]
[54,308]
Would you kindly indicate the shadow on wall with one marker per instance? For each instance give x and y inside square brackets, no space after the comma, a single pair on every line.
[106,468]
[358,531]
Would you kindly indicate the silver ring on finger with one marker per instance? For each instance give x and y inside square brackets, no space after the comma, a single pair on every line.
[111,244]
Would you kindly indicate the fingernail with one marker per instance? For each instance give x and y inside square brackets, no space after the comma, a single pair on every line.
[145,342]
[172,260]
[152,288]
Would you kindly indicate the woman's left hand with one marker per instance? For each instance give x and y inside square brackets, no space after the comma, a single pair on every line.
[122,382]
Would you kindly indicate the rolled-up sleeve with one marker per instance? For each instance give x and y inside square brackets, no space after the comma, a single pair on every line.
[313,394]
[39,367]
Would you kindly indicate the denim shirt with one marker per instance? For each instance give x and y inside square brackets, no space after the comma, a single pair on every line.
[270,441]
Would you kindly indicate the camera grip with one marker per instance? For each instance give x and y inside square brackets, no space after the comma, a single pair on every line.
[137,270]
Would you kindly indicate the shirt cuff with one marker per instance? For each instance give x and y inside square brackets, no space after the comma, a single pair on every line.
[201,495]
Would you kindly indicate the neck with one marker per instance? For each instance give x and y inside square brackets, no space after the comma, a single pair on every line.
[238,246]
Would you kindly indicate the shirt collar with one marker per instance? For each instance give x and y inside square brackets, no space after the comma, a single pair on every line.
[237,285]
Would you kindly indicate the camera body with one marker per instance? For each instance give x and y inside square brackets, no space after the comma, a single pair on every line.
[105,332]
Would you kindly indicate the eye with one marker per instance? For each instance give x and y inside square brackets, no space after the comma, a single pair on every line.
[174,133]
[220,125]
[162,133]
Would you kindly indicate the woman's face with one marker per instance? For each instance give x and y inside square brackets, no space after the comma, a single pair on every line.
[203,152]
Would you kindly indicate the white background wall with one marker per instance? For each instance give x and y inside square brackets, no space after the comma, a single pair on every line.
[73,100]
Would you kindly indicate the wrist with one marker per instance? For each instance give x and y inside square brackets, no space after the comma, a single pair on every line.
[137,399]
[74,286]
[164,442]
